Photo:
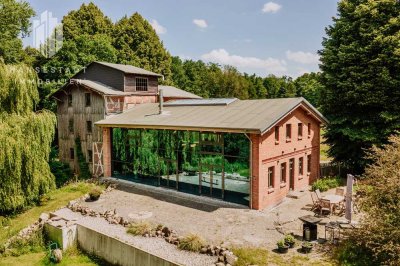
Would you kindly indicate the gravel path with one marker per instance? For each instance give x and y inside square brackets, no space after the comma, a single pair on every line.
[156,246]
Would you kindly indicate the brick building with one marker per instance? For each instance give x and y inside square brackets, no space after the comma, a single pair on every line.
[251,152]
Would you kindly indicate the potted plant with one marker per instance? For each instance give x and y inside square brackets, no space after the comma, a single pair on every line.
[289,240]
[306,247]
[282,246]
[94,194]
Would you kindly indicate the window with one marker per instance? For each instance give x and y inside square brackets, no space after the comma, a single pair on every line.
[288,131]
[276,134]
[301,166]
[300,130]
[141,84]
[71,153]
[283,172]
[71,125]
[309,129]
[87,99]
[309,163]
[90,155]
[89,126]
[69,100]
[271,175]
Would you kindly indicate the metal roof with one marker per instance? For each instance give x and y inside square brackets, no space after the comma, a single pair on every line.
[128,69]
[99,87]
[172,92]
[201,102]
[241,116]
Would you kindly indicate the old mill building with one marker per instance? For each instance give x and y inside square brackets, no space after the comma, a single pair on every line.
[251,152]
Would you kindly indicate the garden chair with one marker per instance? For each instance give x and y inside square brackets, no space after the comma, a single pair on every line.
[325,206]
[339,191]
[318,193]
[315,201]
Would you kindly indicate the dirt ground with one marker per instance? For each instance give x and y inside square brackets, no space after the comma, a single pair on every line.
[214,220]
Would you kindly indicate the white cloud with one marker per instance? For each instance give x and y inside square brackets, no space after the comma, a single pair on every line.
[302,57]
[201,23]
[157,27]
[268,66]
[271,7]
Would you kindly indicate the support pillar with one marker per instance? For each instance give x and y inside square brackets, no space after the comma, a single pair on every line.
[107,151]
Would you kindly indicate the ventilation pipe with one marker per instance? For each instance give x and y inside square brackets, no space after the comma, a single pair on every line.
[161,101]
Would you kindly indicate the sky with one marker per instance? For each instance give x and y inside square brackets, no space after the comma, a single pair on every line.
[279,37]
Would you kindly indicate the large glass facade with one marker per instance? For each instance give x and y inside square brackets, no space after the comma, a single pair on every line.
[200,163]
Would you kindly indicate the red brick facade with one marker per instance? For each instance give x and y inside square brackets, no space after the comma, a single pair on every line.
[271,155]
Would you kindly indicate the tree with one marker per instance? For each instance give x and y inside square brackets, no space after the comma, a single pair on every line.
[377,241]
[309,87]
[14,22]
[87,20]
[25,139]
[360,63]
[138,44]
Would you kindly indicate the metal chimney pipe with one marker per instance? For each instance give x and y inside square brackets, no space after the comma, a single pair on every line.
[161,101]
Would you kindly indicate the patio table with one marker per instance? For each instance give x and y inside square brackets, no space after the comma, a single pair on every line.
[334,199]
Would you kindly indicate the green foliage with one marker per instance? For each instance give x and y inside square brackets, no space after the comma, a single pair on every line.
[95,194]
[309,86]
[14,22]
[281,244]
[25,139]
[191,242]
[324,184]
[33,244]
[289,239]
[140,228]
[361,65]
[377,241]
[87,20]
[84,172]
[138,44]
[60,170]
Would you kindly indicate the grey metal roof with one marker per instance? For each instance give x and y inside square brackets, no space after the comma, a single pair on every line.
[100,87]
[252,116]
[202,102]
[172,92]
[129,69]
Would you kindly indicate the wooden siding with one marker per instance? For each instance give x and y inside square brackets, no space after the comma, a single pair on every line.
[80,114]
[106,75]
[130,84]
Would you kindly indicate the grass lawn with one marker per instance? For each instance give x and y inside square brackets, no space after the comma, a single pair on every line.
[263,257]
[71,257]
[56,199]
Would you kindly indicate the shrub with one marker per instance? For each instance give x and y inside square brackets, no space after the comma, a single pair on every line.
[289,239]
[94,194]
[140,228]
[60,170]
[377,241]
[324,184]
[191,242]
[281,244]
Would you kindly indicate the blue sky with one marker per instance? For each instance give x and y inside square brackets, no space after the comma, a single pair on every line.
[279,37]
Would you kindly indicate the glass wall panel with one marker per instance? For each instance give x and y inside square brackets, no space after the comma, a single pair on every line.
[210,164]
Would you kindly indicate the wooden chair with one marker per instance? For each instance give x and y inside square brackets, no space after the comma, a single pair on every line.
[339,191]
[318,193]
[315,201]
[325,206]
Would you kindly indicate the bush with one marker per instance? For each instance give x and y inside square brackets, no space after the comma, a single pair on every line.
[324,184]
[191,242]
[60,170]
[289,239]
[377,241]
[140,228]
[94,194]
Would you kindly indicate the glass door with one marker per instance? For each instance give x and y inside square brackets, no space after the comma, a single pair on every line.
[211,180]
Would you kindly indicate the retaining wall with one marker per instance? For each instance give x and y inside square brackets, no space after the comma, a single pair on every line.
[115,251]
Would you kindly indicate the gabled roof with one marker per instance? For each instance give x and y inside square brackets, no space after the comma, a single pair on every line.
[172,92]
[99,87]
[241,116]
[128,69]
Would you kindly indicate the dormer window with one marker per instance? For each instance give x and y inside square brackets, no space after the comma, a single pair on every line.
[141,84]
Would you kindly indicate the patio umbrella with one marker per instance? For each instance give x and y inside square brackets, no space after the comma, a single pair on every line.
[349,196]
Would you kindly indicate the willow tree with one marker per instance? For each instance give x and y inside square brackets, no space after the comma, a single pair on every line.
[25,139]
